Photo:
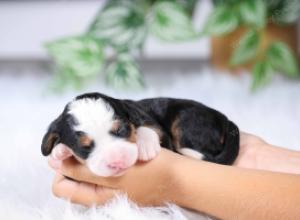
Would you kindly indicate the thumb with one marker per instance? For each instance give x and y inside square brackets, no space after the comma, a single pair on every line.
[80,192]
[58,154]
[61,152]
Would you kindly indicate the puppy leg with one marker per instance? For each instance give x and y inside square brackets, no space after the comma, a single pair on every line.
[148,143]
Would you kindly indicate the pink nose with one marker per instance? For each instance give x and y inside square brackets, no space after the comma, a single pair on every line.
[117,165]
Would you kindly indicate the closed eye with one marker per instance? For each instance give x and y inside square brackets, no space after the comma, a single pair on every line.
[84,150]
[122,131]
[87,148]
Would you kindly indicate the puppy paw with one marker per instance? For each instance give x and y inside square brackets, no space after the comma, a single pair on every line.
[148,143]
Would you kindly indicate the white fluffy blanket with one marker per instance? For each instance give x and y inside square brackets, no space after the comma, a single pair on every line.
[26,110]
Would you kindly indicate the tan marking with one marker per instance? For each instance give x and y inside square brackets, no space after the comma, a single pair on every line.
[222,139]
[132,137]
[85,141]
[176,134]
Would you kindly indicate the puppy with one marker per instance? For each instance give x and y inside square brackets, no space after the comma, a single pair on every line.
[109,135]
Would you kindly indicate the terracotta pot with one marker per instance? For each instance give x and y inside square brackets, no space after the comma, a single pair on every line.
[223,46]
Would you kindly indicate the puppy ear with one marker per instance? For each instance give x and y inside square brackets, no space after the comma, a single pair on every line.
[49,141]
[51,138]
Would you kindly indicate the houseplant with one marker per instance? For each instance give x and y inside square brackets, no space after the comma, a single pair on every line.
[122,26]
[255,34]
[118,32]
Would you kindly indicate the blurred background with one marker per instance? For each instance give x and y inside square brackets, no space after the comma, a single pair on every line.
[240,57]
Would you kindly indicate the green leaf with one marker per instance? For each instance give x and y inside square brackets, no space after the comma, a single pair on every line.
[121,24]
[253,12]
[79,56]
[286,11]
[188,5]
[273,5]
[283,59]
[262,74]
[124,73]
[229,2]
[170,22]
[221,21]
[246,48]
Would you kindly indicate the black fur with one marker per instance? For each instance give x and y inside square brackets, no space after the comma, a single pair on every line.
[201,128]
[63,128]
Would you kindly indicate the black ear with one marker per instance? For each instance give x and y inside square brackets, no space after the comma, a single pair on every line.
[49,141]
[51,138]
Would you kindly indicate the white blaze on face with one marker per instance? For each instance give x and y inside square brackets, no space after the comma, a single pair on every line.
[111,155]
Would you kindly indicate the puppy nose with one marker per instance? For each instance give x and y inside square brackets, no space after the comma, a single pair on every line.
[117,165]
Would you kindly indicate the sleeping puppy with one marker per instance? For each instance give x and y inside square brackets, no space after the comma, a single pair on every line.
[109,135]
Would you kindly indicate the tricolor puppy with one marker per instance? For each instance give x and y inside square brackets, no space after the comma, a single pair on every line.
[109,135]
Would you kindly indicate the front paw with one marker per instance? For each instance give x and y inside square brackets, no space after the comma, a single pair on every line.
[148,143]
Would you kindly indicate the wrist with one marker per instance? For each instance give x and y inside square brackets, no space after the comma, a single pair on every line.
[183,177]
[173,178]
[165,177]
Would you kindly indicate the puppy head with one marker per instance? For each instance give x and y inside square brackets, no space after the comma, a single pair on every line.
[96,134]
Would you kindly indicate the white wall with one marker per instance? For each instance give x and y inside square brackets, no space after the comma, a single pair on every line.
[26,26]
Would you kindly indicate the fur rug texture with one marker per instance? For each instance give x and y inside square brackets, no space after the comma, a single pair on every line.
[27,108]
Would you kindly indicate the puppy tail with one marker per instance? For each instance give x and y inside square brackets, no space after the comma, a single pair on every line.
[231,145]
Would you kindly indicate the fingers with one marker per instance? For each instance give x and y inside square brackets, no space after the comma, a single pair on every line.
[62,187]
[81,193]
[75,170]
[58,154]
[61,161]
[61,152]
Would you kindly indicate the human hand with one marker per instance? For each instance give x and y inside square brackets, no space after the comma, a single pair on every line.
[255,153]
[156,181]
[250,149]
[145,183]
[150,183]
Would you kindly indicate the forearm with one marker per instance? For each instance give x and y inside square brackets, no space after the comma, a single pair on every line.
[235,193]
